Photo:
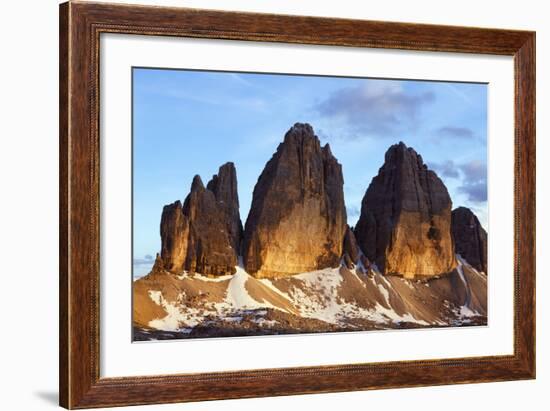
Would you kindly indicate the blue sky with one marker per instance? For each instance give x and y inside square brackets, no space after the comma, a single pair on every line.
[191,122]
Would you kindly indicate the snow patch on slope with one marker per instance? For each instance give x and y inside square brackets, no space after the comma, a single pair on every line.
[465,311]
[320,299]
[317,295]
[270,285]
[237,296]
[396,318]
[200,277]
[385,293]
[175,315]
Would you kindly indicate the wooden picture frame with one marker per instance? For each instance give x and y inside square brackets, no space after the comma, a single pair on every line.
[80,27]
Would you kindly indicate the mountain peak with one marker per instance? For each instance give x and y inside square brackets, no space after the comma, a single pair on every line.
[405,217]
[224,187]
[197,184]
[203,235]
[470,238]
[400,152]
[299,134]
[297,219]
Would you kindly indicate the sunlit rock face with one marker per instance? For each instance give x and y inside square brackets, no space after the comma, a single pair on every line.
[470,238]
[203,234]
[405,222]
[174,234]
[297,220]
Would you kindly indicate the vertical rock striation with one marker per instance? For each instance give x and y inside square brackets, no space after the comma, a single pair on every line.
[224,187]
[405,222]
[174,234]
[297,220]
[351,248]
[470,238]
[204,233]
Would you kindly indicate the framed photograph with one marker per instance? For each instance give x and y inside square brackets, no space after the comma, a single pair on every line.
[259,205]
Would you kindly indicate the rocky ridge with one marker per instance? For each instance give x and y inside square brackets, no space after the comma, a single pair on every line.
[303,268]
[470,238]
[224,187]
[405,221]
[203,234]
[297,219]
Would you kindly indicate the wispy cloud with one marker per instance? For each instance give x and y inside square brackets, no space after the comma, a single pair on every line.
[243,80]
[217,99]
[472,175]
[353,212]
[240,79]
[477,192]
[378,108]
[446,169]
[147,259]
[475,170]
[458,92]
[474,183]
[460,133]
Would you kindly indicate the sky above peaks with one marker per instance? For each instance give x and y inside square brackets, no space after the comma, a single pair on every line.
[191,122]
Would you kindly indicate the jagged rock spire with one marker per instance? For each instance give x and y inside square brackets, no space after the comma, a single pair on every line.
[297,219]
[470,238]
[204,234]
[224,187]
[405,222]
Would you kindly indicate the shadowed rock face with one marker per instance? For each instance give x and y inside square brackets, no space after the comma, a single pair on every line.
[470,238]
[203,234]
[351,248]
[405,222]
[224,187]
[297,219]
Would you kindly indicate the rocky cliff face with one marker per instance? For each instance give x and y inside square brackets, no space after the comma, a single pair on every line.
[351,248]
[470,238]
[158,266]
[174,234]
[405,222]
[224,187]
[203,234]
[297,219]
